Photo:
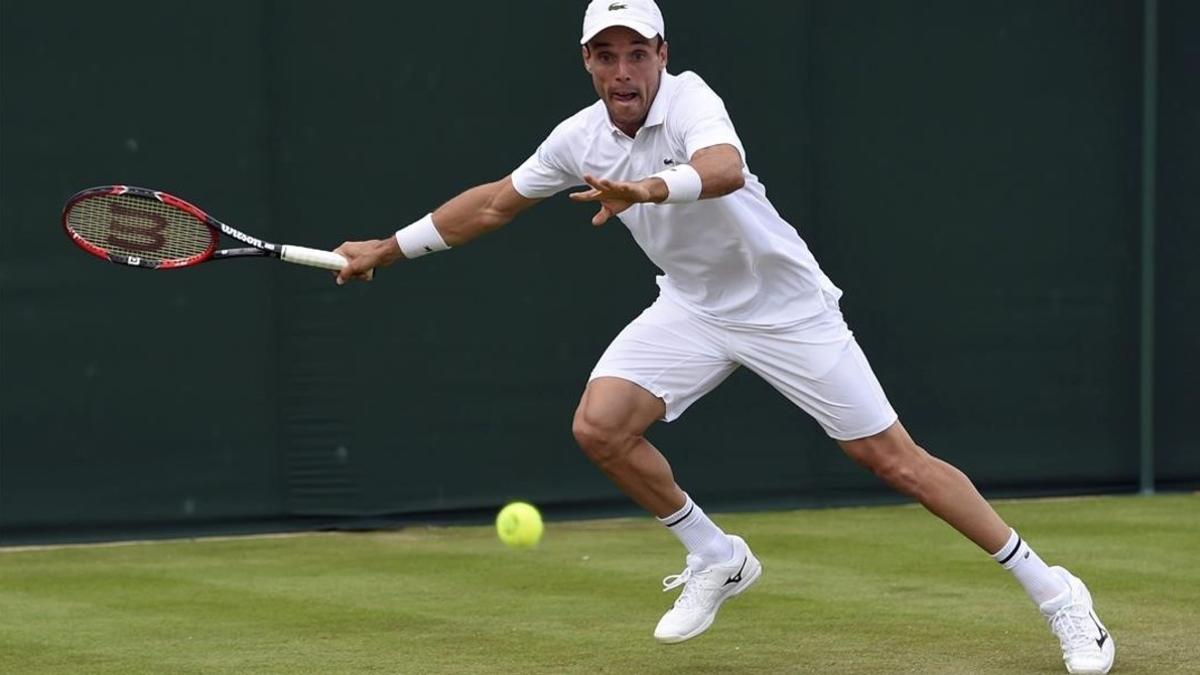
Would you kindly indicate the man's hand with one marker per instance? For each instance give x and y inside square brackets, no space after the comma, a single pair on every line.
[365,256]
[616,196]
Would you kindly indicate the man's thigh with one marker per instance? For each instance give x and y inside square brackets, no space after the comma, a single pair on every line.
[819,366]
[669,353]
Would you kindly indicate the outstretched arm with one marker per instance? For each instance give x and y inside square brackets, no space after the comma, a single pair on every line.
[719,168]
[477,211]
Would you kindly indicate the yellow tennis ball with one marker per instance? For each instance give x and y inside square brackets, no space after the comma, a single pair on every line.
[519,525]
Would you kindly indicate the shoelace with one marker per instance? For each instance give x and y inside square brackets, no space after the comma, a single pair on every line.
[677,580]
[1074,628]
[693,594]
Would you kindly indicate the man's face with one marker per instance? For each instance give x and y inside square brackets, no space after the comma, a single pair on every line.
[626,70]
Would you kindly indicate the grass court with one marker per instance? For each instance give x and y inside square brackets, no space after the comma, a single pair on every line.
[851,590]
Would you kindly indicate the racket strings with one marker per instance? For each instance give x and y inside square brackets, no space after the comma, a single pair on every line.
[140,227]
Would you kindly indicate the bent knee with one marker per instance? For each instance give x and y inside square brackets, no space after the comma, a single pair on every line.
[903,466]
[607,432]
[588,434]
[612,416]
[904,475]
[601,438]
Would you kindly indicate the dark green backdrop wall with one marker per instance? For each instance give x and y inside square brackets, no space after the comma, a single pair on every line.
[968,172]
[1177,270]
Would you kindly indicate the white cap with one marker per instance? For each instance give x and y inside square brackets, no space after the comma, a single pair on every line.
[642,16]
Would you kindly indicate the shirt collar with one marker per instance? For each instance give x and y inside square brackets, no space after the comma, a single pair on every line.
[658,109]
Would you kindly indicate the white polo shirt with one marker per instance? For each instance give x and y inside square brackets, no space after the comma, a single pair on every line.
[732,259]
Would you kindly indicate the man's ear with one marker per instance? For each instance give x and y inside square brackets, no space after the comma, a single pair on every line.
[586,66]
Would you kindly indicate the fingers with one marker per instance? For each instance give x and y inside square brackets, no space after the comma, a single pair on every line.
[600,189]
[343,274]
[349,272]
[358,266]
[596,183]
[606,186]
[585,196]
[614,197]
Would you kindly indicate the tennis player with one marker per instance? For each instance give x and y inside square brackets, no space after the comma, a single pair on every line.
[739,288]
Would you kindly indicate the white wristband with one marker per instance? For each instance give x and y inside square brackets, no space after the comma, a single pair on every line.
[420,238]
[683,184]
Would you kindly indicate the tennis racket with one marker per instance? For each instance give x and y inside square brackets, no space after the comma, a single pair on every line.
[154,230]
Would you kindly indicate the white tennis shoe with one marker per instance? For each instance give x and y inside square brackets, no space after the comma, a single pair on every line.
[704,589]
[1087,647]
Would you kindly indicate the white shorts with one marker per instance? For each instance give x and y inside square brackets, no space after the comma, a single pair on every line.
[679,356]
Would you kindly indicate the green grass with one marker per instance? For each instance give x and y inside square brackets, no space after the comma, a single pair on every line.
[863,590]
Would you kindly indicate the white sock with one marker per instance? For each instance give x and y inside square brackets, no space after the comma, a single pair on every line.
[1039,582]
[699,534]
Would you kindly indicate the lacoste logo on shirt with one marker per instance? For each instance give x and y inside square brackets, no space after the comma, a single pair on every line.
[616,5]
[737,577]
[669,162]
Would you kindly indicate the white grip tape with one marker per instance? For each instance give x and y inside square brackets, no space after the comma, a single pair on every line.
[313,257]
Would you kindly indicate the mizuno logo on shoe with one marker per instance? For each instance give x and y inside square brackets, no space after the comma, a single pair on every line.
[737,577]
[1103,633]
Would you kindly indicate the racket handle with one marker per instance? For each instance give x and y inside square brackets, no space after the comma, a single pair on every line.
[313,257]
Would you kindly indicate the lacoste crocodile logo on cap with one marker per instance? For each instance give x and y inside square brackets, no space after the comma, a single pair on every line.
[617,5]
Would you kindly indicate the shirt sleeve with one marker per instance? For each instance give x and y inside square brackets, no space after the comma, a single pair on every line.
[547,171]
[702,120]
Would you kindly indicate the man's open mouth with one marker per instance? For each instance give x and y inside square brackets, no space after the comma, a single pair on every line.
[624,97]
